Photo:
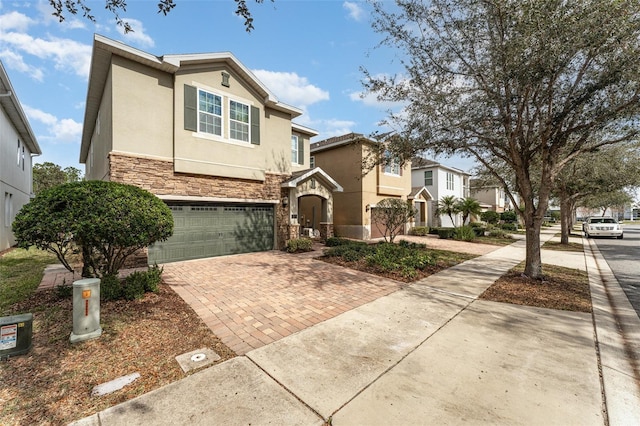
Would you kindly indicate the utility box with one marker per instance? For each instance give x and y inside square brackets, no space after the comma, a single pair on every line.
[86,310]
[15,335]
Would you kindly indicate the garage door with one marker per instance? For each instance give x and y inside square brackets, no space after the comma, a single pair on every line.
[214,230]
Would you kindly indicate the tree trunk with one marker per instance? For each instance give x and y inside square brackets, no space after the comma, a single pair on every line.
[533,268]
[565,218]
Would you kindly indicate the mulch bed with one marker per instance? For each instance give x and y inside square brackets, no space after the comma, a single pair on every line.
[563,288]
[52,384]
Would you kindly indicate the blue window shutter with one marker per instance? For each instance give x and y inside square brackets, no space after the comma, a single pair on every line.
[190,108]
[255,125]
[300,150]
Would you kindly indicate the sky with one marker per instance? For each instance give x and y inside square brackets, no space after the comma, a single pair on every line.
[309,53]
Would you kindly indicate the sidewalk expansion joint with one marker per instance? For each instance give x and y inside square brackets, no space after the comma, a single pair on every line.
[391,367]
[287,389]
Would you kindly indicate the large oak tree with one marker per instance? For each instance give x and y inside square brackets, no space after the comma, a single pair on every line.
[527,84]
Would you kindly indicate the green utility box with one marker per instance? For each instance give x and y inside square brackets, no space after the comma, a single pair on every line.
[15,335]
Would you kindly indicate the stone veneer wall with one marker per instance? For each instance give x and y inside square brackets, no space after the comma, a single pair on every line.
[158,177]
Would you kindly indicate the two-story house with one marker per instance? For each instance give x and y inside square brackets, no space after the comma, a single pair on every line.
[490,196]
[440,181]
[343,158]
[202,133]
[18,145]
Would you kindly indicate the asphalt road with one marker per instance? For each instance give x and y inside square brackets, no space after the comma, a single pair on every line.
[623,257]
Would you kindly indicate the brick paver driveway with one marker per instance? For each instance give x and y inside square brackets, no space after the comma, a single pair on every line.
[250,300]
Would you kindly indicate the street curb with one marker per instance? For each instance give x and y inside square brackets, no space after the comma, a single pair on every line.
[617,332]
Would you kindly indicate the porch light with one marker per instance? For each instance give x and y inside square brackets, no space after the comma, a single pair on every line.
[285,201]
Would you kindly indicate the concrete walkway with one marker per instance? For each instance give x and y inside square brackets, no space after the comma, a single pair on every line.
[429,353]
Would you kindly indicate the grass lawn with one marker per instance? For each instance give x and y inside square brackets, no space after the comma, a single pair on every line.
[20,274]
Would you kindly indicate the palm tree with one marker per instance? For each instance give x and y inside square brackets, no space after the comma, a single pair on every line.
[468,206]
[448,205]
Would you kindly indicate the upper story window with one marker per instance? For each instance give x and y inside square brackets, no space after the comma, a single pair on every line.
[294,149]
[19,153]
[450,185]
[238,121]
[210,113]
[428,177]
[312,162]
[391,166]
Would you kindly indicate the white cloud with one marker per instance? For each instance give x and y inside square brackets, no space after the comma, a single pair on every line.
[356,12]
[63,130]
[137,36]
[67,54]
[15,21]
[291,88]
[15,61]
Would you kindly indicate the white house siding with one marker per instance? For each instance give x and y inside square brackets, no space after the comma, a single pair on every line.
[439,190]
[15,179]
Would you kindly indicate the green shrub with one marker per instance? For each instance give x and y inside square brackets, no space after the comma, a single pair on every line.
[498,233]
[299,245]
[490,216]
[134,285]
[336,241]
[479,231]
[419,231]
[434,231]
[396,258]
[509,216]
[411,245]
[111,287]
[465,233]
[64,290]
[509,226]
[351,251]
[108,221]
[446,233]
[154,278]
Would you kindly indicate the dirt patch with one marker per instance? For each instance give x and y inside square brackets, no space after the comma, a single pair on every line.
[562,288]
[52,384]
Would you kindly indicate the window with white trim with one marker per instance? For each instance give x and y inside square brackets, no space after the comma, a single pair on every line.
[428,177]
[312,162]
[18,156]
[391,166]
[450,185]
[294,149]
[238,121]
[209,113]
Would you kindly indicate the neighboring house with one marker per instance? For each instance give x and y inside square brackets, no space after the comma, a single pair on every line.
[202,133]
[440,181]
[18,145]
[343,157]
[490,197]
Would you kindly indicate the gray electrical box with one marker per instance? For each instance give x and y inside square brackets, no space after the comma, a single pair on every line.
[86,310]
[15,335]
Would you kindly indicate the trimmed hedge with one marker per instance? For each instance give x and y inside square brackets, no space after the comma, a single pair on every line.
[420,231]
[446,233]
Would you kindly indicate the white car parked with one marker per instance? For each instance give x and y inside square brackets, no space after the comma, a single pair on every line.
[602,226]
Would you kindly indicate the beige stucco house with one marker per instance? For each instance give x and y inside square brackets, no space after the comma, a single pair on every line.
[18,145]
[206,136]
[490,197]
[342,157]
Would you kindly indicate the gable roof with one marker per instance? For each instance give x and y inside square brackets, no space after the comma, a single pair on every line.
[11,105]
[104,48]
[302,175]
[337,141]
[417,191]
[418,163]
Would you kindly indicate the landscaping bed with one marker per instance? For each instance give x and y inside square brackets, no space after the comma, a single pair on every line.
[51,385]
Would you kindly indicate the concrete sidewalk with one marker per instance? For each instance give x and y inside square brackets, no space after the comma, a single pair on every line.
[428,354]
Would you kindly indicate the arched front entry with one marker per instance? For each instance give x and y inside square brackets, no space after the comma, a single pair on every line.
[310,193]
